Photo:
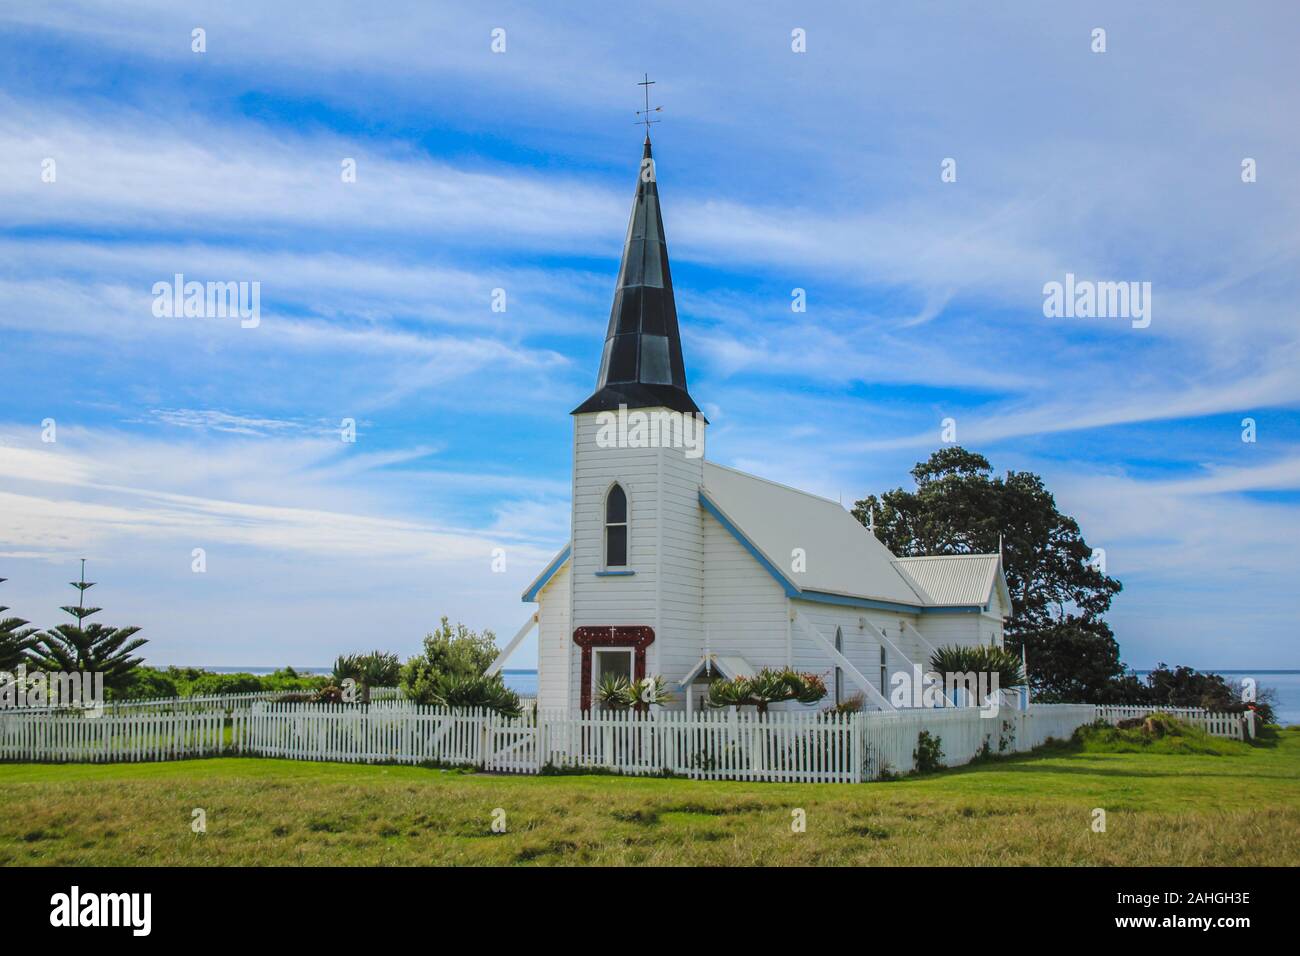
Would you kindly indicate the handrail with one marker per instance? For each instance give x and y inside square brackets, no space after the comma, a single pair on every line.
[510,648]
[844,664]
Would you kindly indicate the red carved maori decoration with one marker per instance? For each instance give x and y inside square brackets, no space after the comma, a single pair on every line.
[635,638]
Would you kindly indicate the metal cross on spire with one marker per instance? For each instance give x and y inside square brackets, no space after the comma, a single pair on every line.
[645,119]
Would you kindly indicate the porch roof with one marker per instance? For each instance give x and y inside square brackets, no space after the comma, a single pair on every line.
[728,665]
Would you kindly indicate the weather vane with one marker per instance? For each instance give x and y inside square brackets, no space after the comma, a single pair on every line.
[645,119]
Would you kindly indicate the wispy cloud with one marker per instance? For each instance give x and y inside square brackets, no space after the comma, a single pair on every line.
[478,171]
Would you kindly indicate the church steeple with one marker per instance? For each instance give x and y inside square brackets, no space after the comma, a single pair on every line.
[642,364]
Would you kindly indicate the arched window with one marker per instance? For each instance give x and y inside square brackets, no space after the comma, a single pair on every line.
[616,527]
[839,672]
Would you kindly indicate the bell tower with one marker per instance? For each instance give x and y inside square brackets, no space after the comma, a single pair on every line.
[638,463]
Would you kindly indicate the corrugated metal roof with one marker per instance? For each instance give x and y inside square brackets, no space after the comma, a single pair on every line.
[950,579]
[842,556]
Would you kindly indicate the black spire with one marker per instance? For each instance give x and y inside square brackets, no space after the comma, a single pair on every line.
[642,365]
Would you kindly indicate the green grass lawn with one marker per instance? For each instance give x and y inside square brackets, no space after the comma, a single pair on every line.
[1239,805]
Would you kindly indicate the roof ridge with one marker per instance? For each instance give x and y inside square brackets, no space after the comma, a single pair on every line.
[944,557]
[775,484]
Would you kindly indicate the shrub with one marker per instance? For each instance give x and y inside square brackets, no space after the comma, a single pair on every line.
[208,684]
[288,679]
[1154,733]
[490,693]
[452,651]
[329,694]
[145,683]
[196,682]
[1187,687]
[928,753]
[849,705]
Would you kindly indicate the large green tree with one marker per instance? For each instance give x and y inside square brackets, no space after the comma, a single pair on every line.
[1058,592]
[95,648]
[16,640]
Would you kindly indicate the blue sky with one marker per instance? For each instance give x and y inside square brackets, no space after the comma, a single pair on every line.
[479,170]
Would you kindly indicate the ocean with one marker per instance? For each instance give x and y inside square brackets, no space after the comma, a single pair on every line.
[524,681]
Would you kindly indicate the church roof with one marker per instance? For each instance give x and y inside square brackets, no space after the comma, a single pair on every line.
[840,556]
[642,364]
[954,579]
[842,562]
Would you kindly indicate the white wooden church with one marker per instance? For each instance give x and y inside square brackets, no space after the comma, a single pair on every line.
[689,570]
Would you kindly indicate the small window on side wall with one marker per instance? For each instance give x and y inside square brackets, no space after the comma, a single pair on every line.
[839,672]
[616,528]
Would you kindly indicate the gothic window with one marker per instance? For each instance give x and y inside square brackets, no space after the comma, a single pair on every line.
[616,527]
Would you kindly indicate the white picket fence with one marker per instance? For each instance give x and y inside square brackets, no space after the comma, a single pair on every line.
[891,739]
[112,737]
[1235,726]
[394,731]
[800,747]
[717,745]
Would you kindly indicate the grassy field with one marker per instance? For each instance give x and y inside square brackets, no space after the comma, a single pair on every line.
[1236,805]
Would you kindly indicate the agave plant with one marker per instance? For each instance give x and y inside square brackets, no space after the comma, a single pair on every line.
[491,693]
[768,686]
[376,669]
[808,688]
[650,692]
[728,693]
[615,692]
[980,659]
[618,693]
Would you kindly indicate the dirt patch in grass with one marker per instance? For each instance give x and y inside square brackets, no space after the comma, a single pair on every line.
[867,830]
